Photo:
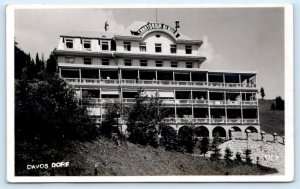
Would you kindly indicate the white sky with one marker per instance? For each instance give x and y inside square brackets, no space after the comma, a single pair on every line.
[246,39]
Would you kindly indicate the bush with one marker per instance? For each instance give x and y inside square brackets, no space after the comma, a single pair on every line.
[215,156]
[238,158]
[204,144]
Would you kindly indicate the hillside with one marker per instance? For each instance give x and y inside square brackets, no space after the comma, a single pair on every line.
[271,120]
[127,159]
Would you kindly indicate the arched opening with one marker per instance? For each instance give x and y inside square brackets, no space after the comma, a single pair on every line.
[252,129]
[201,131]
[219,132]
[236,128]
[186,139]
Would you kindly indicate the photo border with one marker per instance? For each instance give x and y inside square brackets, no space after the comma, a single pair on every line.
[289,101]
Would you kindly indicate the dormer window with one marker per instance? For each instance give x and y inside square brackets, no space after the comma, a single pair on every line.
[127,62]
[159,63]
[189,64]
[158,47]
[188,49]
[69,43]
[127,46]
[87,44]
[142,47]
[104,45]
[173,49]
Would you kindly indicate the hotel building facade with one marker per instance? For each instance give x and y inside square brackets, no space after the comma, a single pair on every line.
[158,58]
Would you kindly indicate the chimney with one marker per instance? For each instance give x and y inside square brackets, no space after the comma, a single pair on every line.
[177,25]
[106,26]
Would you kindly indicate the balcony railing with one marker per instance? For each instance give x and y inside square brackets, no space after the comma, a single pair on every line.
[234,121]
[250,121]
[233,103]
[159,82]
[249,103]
[217,102]
[218,120]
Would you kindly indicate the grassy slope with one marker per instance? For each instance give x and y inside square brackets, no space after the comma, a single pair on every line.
[129,159]
[271,120]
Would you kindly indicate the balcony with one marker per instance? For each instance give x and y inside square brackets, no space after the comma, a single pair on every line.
[249,103]
[234,121]
[250,121]
[217,102]
[218,120]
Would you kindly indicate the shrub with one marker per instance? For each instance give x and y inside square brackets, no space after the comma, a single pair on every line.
[238,158]
[204,144]
[186,138]
[169,137]
[215,156]
[247,156]
[228,155]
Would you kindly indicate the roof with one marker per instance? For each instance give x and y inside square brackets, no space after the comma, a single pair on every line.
[134,26]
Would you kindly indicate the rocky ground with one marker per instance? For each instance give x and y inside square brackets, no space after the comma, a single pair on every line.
[270,153]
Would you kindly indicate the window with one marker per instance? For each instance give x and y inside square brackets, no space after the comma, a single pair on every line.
[87,60]
[105,45]
[189,64]
[173,49]
[188,49]
[69,43]
[127,46]
[143,62]
[69,59]
[158,63]
[105,61]
[173,64]
[157,47]
[87,44]
[143,47]
[127,62]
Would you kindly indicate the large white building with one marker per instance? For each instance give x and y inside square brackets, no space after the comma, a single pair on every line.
[159,58]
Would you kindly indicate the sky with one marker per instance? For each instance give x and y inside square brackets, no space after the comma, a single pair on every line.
[244,39]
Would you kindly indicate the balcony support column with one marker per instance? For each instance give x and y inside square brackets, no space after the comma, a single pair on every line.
[190,76]
[224,79]
[207,78]
[80,74]
[240,80]
[59,70]
[173,75]
[156,75]
[258,116]
[99,74]
[226,115]
[242,117]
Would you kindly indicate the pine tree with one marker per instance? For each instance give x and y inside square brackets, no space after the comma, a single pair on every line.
[51,65]
[247,154]
[228,155]
[238,158]
[215,156]
[262,93]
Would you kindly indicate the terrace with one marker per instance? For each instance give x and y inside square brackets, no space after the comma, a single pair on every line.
[158,77]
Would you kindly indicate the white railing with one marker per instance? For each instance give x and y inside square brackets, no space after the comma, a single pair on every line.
[109,100]
[216,102]
[215,84]
[217,120]
[201,120]
[249,103]
[232,85]
[251,121]
[234,120]
[72,80]
[233,103]
[168,101]
[200,101]
[248,85]
[129,81]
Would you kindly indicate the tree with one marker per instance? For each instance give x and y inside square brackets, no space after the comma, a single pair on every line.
[38,63]
[169,137]
[143,119]
[110,124]
[51,64]
[262,93]
[238,158]
[21,61]
[48,112]
[215,156]
[204,143]
[186,138]
[228,155]
[247,154]
[279,103]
